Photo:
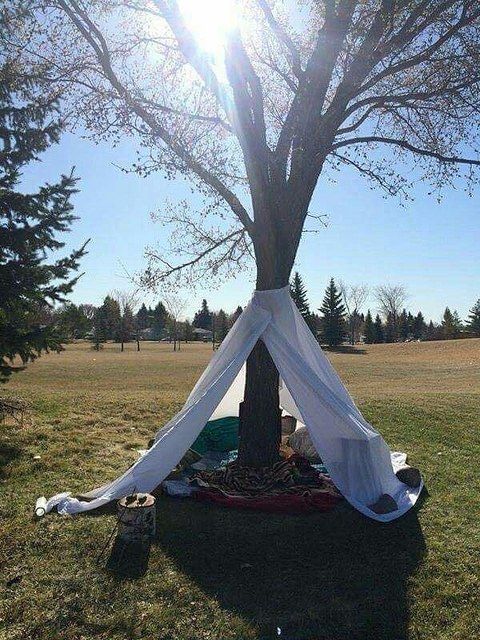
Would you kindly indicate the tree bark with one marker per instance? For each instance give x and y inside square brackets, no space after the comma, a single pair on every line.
[260,414]
[260,424]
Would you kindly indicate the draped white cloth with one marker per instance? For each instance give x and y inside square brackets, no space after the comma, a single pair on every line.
[356,456]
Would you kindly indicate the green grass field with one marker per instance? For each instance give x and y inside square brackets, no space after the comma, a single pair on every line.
[221,574]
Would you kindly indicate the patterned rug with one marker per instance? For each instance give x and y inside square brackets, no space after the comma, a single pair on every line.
[294,476]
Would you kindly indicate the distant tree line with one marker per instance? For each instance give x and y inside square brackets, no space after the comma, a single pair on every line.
[342,318]
[121,319]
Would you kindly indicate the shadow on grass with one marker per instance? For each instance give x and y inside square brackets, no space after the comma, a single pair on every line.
[323,576]
[345,348]
[7,455]
[128,560]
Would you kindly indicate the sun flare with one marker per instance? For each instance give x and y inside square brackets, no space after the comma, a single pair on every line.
[210,22]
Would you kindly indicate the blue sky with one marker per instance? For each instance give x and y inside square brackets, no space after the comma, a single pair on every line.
[432,249]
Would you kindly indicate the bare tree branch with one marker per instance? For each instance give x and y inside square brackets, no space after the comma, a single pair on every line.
[96,40]
[406,145]
[295,98]
[282,37]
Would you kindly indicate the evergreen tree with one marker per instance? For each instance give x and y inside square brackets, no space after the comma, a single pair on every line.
[235,315]
[159,321]
[431,331]
[369,329]
[390,328]
[404,324]
[188,334]
[457,322]
[175,330]
[473,321]
[333,316]
[203,318]
[111,319]
[221,326]
[99,331]
[411,322]
[378,330]
[143,319]
[73,322]
[30,278]
[419,326]
[298,292]
[126,326]
[451,325]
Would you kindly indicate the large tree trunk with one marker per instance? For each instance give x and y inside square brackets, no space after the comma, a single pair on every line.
[260,414]
[260,426]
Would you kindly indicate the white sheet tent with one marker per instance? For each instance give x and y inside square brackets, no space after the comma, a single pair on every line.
[358,459]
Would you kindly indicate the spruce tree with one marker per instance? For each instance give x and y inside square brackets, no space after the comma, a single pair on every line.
[473,321]
[221,325]
[457,323]
[411,322]
[126,326]
[378,327]
[404,324]
[142,318]
[72,322]
[112,318]
[235,315]
[369,329]
[431,331]
[299,295]
[99,332]
[451,325]
[188,334]
[333,316]
[159,320]
[419,326]
[30,223]
[203,317]
[390,328]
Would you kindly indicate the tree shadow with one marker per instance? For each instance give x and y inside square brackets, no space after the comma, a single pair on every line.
[347,349]
[332,575]
[7,455]
[128,560]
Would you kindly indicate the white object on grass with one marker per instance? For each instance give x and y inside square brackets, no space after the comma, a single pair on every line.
[41,507]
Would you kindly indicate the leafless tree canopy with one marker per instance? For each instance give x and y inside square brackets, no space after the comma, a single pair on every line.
[304,87]
[354,297]
[127,300]
[175,305]
[391,299]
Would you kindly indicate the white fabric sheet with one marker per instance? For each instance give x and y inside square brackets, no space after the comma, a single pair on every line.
[356,456]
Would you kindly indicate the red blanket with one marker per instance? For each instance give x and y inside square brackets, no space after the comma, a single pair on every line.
[283,503]
[288,486]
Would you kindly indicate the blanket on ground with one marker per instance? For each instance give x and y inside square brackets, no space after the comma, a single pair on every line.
[308,502]
[294,476]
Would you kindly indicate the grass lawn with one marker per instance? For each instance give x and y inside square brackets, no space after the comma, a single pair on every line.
[220,574]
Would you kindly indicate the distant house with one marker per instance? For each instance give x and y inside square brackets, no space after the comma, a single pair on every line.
[205,335]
